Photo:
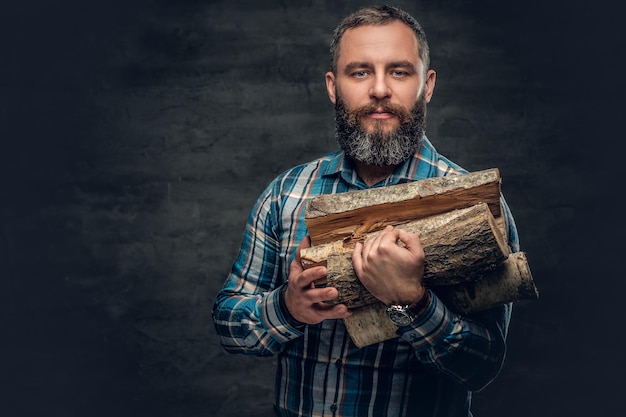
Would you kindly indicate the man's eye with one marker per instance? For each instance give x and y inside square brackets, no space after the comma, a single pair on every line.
[360,74]
[398,73]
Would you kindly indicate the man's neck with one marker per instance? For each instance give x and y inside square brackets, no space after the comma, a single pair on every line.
[371,174]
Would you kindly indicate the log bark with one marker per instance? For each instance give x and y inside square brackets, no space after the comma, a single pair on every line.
[461,245]
[462,229]
[332,217]
[370,324]
[512,282]
[341,275]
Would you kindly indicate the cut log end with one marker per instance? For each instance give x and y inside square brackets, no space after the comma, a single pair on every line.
[511,282]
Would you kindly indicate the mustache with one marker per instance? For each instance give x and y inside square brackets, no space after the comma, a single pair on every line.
[399,111]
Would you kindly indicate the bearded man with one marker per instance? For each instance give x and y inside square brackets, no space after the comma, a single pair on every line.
[380,83]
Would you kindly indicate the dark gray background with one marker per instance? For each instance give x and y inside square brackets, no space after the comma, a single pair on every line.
[136,136]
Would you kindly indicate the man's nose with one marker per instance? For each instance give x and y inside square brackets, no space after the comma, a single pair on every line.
[380,88]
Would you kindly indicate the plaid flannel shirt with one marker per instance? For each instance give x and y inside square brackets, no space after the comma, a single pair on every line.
[429,370]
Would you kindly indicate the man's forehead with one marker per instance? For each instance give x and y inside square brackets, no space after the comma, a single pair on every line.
[394,40]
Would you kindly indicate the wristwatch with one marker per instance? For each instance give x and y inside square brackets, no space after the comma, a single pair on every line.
[400,315]
[403,315]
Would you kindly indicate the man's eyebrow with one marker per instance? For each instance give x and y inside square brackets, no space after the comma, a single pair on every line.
[356,65]
[403,64]
[352,66]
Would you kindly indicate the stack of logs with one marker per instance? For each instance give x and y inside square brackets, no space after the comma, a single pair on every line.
[460,223]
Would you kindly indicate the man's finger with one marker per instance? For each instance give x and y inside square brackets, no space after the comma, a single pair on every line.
[357,258]
[410,240]
[321,295]
[309,276]
[332,311]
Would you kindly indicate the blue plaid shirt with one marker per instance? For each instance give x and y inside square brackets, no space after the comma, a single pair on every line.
[430,370]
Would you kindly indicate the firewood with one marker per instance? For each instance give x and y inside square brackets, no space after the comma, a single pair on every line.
[369,325]
[331,217]
[462,229]
[461,245]
[512,282]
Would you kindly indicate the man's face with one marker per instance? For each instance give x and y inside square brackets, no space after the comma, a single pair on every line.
[380,94]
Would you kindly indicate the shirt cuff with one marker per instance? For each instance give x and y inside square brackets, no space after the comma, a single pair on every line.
[430,327]
[278,319]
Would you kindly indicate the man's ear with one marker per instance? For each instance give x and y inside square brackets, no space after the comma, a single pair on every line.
[330,86]
[429,85]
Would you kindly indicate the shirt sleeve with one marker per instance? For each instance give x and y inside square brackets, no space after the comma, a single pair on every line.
[247,312]
[470,348]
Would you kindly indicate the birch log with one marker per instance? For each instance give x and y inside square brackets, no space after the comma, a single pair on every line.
[369,325]
[461,245]
[512,282]
[331,217]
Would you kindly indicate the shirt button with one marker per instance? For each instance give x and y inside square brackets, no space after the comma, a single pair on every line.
[338,363]
[333,407]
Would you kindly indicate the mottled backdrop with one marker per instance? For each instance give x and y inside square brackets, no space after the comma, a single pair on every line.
[135,137]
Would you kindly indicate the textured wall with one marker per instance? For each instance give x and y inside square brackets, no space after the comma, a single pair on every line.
[137,135]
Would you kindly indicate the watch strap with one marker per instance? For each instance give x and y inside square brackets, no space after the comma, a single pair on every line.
[418,306]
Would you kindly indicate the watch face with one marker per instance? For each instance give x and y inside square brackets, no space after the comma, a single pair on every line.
[399,315]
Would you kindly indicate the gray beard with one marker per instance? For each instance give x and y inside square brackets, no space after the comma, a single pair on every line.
[379,148]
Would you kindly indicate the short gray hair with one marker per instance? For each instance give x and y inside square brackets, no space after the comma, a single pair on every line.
[379,15]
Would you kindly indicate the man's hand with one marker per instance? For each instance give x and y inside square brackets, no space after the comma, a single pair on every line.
[303,300]
[392,273]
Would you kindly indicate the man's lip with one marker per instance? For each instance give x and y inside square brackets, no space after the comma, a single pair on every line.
[381,114]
